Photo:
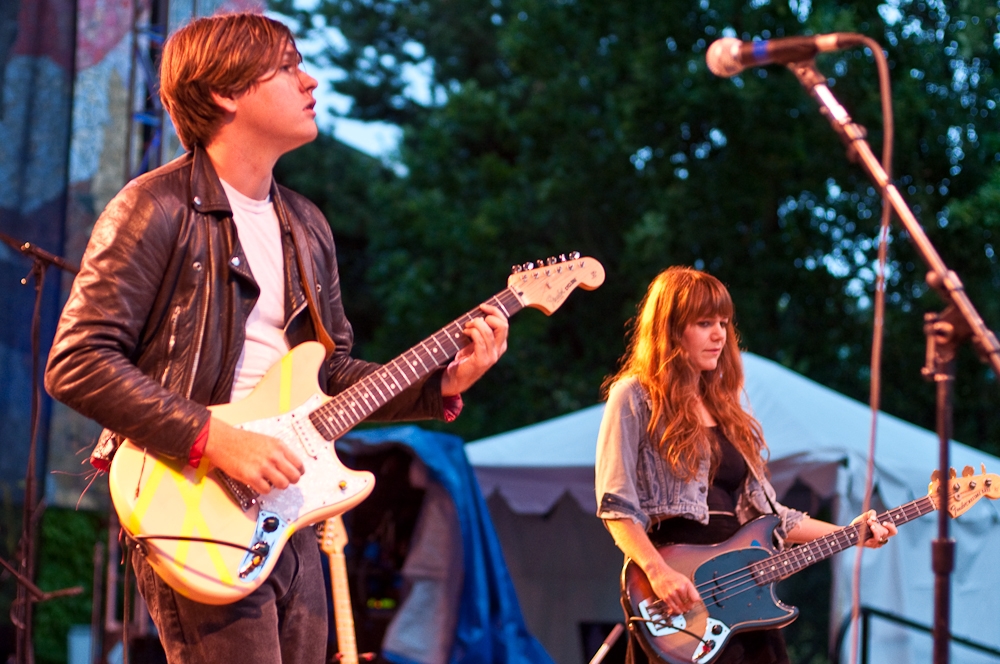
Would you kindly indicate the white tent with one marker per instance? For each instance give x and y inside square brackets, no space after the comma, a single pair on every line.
[539,481]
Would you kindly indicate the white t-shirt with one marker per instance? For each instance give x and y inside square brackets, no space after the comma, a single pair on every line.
[260,237]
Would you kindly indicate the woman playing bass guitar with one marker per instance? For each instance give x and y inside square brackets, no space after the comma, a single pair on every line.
[679,460]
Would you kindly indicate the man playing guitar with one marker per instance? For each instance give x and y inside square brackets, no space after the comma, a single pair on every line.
[198,277]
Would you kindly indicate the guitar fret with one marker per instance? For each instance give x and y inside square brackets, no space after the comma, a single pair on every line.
[783,564]
[373,391]
[452,333]
[437,341]
[437,352]
[421,360]
[427,353]
[371,379]
[402,365]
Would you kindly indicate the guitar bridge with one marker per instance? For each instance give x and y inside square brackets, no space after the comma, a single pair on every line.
[244,496]
[657,623]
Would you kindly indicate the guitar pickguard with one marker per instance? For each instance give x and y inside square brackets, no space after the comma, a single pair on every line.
[325,481]
[731,592]
[714,636]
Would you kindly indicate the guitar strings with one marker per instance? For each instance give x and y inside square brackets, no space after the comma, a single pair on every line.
[729,584]
[736,582]
[804,553]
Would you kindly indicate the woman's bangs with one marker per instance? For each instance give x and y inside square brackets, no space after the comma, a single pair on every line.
[709,298]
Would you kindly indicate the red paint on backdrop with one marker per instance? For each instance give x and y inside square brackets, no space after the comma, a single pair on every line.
[45,28]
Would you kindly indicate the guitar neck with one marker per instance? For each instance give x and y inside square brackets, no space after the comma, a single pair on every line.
[360,400]
[343,615]
[783,565]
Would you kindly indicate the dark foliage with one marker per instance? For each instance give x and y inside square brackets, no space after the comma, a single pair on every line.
[594,125]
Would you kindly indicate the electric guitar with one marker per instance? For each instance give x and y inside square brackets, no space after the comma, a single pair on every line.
[215,540]
[736,578]
[332,541]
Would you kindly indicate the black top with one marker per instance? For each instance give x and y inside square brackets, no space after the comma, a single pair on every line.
[730,472]
[727,482]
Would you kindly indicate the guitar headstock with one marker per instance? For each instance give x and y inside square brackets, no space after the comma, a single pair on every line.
[965,491]
[333,538]
[546,283]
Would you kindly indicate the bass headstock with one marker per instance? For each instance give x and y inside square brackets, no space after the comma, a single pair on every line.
[545,284]
[964,491]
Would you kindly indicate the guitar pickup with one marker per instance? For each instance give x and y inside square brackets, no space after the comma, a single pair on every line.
[307,435]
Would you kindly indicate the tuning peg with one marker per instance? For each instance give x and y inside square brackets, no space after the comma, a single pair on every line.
[951,473]
[562,258]
[573,255]
[529,266]
[540,262]
[551,260]
[968,471]
[514,269]
[935,475]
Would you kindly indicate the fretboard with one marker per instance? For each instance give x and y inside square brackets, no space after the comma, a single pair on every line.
[337,416]
[784,564]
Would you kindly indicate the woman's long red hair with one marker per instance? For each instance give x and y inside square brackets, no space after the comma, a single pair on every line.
[678,297]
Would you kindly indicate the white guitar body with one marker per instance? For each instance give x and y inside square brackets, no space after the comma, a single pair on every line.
[214,540]
[197,503]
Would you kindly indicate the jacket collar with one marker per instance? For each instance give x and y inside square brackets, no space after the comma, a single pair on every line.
[207,194]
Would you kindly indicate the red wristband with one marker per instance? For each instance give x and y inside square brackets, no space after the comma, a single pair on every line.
[198,449]
[452,407]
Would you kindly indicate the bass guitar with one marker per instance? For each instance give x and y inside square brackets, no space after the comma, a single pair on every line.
[736,578]
[215,540]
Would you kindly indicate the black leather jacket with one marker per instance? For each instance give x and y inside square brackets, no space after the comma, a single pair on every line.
[156,318]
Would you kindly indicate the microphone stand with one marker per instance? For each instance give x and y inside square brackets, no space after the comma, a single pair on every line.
[27,591]
[944,331]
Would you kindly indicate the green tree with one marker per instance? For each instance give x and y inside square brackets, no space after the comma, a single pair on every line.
[595,126]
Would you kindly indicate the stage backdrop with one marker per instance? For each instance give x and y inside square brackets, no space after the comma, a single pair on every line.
[65,70]
[36,80]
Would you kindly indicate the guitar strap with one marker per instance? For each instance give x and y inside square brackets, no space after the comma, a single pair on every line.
[760,481]
[305,274]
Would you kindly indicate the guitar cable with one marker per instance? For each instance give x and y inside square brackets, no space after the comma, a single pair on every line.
[662,622]
[139,542]
[141,539]
[127,599]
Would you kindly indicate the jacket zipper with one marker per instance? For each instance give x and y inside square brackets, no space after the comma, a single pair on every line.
[171,343]
[202,323]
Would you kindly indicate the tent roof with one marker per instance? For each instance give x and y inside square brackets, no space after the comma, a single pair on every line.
[806,425]
[818,437]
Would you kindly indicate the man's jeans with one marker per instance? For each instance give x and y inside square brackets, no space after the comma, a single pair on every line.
[282,622]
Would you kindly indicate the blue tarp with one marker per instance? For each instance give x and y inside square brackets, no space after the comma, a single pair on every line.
[490,628]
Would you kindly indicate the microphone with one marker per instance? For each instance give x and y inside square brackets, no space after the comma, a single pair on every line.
[729,56]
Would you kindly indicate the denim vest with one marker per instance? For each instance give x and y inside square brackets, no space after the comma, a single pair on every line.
[633,481]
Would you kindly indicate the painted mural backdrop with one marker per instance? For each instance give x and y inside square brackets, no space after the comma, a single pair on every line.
[36,76]
[63,128]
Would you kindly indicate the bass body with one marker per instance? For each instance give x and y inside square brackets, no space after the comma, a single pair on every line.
[700,634]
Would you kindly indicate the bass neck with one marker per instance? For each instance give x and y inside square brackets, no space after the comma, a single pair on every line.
[786,563]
